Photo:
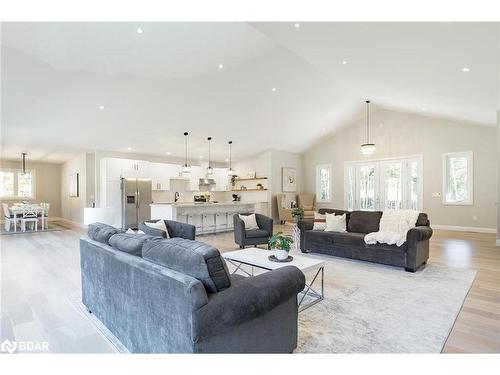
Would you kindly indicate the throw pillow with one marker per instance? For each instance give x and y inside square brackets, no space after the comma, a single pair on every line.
[335,223]
[160,224]
[319,222]
[250,221]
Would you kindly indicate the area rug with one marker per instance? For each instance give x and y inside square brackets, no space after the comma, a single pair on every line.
[51,228]
[371,308]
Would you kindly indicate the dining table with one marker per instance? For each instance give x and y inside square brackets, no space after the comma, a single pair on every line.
[18,210]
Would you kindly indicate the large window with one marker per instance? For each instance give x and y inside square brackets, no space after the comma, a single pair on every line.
[324,183]
[458,178]
[14,184]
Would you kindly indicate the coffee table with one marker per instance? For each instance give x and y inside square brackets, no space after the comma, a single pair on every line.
[256,257]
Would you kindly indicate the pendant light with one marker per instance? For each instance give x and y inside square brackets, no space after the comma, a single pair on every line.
[230,171]
[210,170]
[368,148]
[185,167]
[23,162]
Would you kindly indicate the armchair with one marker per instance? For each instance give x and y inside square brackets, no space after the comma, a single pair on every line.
[254,237]
[307,202]
[284,213]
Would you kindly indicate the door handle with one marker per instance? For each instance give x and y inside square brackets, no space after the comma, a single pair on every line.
[138,198]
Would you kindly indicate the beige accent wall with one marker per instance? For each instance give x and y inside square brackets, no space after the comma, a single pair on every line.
[404,134]
[47,183]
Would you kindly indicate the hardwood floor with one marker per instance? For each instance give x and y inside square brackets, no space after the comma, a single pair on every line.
[40,271]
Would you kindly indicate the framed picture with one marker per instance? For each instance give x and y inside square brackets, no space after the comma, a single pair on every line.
[288,180]
[74,190]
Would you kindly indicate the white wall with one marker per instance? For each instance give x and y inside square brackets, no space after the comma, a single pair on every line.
[72,207]
[400,134]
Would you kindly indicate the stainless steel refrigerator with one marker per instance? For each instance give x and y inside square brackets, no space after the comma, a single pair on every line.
[136,198]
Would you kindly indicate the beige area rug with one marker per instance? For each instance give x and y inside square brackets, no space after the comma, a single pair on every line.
[371,308]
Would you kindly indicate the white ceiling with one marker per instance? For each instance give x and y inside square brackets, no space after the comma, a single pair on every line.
[158,84]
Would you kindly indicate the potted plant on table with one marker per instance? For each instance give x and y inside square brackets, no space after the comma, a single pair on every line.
[281,244]
[298,213]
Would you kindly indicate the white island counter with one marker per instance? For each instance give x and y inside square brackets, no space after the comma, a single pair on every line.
[207,217]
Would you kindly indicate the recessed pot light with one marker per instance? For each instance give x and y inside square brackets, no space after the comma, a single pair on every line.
[201,156]
[139,30]
[169,153]
[466,70]
[129,148]
[344,62]
[323,129]
[273,89]
[101,107]
[296,25]
[221,66]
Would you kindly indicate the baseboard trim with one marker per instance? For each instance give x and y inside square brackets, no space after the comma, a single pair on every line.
[457,228]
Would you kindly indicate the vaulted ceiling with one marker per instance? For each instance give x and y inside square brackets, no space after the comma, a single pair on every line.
[73,87]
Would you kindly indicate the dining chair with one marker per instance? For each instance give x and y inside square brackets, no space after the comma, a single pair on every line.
[44,214]
[8,217]
[29,216]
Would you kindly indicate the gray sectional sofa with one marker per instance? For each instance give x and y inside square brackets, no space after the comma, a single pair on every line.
[175,295]
[410,256]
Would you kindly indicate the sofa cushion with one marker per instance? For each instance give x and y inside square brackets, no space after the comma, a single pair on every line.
[129,242]
[193,258]
[101,232]
[364,221]
[315,239]
[349,239]
[257,233]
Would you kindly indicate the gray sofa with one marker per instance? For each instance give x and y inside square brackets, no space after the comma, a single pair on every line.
[252,237]
[175,295]
[410,256]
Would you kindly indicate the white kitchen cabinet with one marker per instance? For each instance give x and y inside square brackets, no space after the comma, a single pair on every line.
[160,176]
[196,220]
[220,221]
[114,168]
[136,168]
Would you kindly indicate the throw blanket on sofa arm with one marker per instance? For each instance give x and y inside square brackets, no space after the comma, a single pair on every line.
[394,225]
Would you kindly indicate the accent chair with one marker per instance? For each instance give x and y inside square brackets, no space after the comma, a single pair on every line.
[284,212]
[307,201]
[244,237]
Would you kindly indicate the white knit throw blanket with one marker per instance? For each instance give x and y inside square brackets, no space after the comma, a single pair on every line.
[394,225]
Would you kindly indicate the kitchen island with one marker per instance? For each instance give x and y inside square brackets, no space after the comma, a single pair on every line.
[207,217]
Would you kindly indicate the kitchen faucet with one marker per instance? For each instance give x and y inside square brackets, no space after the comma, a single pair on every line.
[176,197]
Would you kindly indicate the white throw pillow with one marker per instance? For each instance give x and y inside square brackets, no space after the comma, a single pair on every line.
[131,231]
[160,224]
[335,223]
[250,221]
[319,222]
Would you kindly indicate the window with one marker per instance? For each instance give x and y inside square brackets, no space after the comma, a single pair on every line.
[15,184]
[324,183]
[458,178]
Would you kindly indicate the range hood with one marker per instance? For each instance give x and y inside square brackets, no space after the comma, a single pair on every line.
[206,181]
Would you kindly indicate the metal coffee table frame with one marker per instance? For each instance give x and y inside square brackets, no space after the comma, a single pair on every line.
[308,290]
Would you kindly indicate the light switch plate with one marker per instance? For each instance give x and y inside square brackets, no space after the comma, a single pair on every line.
[436,194]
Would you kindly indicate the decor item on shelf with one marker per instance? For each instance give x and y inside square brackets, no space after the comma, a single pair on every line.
[260,186]
[210,170]
[293,204]
[251,174]
[23,162]
[230,170]
[73,186]
[236,197]
[233,180]
[368,148]
[185,167]
[243,187]
[288,180]
[298,213]
[281,244]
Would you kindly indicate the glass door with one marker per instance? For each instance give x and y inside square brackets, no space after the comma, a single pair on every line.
[392,184]
[367,187]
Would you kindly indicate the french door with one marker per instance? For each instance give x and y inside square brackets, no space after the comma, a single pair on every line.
[383,184]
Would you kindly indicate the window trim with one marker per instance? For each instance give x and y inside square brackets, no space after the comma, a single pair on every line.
[16,184]
[470,178]
[330,192]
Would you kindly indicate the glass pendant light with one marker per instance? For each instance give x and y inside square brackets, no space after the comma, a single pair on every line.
[186,168]
[368,148]
[230,171]
[210,170]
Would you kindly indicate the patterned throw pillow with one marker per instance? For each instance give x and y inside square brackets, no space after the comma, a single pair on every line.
[319,221]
